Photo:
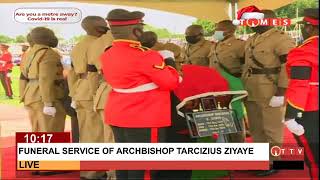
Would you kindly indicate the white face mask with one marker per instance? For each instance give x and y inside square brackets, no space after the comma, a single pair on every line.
[218,35]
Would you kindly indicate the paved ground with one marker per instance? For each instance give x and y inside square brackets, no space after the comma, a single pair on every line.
[15,119]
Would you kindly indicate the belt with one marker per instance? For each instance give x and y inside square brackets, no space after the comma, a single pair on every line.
[314,83]
[83,75]
[264,71]
[141,88]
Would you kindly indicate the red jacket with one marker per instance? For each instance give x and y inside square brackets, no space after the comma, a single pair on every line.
[5,62]
[303,67]
[127,65]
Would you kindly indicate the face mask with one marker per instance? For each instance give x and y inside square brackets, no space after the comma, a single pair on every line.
[192,39]
[218,35]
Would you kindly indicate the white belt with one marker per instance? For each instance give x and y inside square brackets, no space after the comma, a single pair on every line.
[141,88]
[314,83]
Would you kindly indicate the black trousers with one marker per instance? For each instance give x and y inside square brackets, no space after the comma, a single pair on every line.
[138,135]
[6,83]
[310,141]
[174,137]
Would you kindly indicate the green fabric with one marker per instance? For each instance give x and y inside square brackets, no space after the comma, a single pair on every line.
[235,84]
[207,174]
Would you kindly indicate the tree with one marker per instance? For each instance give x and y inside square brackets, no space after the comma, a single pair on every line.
[6,39]
[207,25]
[20,39]
[289,11]
[161,32]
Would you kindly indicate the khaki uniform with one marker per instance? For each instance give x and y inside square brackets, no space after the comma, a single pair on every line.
[197,54]
[98,86]
[227,55]
[44,72]
[90,124]
[265,121]
[173,48]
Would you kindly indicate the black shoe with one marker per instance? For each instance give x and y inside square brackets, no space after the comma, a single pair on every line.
[51,173]
[35,173]
[266,172]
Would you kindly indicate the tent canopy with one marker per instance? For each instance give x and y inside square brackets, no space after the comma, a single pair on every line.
[213,10]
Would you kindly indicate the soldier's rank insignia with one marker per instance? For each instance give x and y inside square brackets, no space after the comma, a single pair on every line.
[160,67]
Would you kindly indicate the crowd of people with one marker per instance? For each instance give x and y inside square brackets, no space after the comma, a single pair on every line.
[118,85]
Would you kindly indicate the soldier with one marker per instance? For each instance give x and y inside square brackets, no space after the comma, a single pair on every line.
[137,110]
[149,39]
[197,49]
[302,113]
[228,53]
[98,86]
[6,69]
[44,91]
[265,79]
[90,124]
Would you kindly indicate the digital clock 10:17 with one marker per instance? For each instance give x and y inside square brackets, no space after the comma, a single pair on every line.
[34,138]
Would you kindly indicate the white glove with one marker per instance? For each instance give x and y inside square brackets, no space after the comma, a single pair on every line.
[294,127]
[51,111]
[73,104]
[276,101]
[166,54]
[8,74]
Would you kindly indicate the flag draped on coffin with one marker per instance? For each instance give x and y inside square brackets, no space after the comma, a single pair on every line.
[200,81]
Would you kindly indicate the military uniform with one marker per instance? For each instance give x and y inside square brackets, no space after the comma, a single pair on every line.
[228,55]
[198,53]
[91,128]
[5,70]
[302,98]
[138,107]
[98,86]
[43,71]
[263,73]
[173,48]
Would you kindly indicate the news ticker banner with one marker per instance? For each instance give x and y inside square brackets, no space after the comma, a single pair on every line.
[53,151]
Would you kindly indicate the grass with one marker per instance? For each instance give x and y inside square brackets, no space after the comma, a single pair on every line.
[15,89]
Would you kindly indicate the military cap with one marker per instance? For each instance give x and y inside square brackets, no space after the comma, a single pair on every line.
[122,17]
[311,16]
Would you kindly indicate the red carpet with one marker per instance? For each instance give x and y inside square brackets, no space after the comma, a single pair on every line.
[9,160]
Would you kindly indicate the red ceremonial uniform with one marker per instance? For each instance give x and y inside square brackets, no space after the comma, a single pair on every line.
[5,62]
[126,66]
[302,93]
[302,97]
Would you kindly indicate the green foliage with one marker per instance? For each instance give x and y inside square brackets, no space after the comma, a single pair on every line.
[21,39]
[15,75]
[76,39]
[290,10]
[6,39]
[207,25]
[161,32]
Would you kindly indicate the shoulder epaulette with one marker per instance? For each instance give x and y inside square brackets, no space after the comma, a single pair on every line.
[142,48]
[307,41]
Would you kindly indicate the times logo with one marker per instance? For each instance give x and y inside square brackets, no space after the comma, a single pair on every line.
[292,152]
[265,22]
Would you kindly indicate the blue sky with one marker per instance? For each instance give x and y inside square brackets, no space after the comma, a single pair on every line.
[173,22]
